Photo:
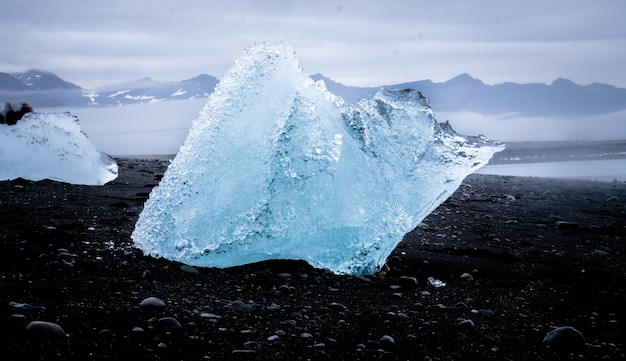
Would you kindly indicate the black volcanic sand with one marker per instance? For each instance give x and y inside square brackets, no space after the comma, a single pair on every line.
[519,257]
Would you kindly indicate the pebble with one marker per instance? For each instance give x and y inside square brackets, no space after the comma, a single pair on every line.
[566,225]
[337,306]
[26,306]
[565,339]
[170,322]
[599,253]
[273,307]
[152,303]
[244,353]
[251,345]
[239,306]
[189,269]
[45,328]
[388,356]
[461,307]
[408,282]
[386,340]
[465,325]
[467,277]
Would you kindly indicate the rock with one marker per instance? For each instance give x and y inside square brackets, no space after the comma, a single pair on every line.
[599,253]
[467,277]
[26,306]
[408,282]
[169,322]
[251,345]
[465,326]
[244,353]
[239,306]
[337,306]
[486,313]
[388,356]
[461,307]
[45,328]
[386,340]
[565,339]
[152,303]
[564,225]
[189,269]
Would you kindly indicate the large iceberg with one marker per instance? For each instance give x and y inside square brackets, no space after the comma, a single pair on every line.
[277,167]
[52,146]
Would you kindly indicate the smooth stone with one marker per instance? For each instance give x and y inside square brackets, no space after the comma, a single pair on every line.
[251,345]
[465,325]
[239,306]
[461,307]
[408,282]
[243,352]
[152,302]
[566,225]
[337,306]
[45,328]
[26,306]
[467,277]
[170,322]
[565,339]
[189,269]
[387,340]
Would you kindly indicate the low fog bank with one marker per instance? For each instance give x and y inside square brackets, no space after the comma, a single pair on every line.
[161,128]
[513,128]
[139,129]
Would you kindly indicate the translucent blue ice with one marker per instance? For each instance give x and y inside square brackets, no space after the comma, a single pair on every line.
[52,146]
[277,167]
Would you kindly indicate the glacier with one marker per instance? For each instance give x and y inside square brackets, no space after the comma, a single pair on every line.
[277,167]
[52,146]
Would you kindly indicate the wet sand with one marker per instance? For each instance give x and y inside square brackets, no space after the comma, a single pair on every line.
[518,256]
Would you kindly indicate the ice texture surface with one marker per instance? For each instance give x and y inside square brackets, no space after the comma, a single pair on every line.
[52,146]
[277,167]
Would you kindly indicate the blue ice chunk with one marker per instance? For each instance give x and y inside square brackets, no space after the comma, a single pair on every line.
[277,167]
[52,146]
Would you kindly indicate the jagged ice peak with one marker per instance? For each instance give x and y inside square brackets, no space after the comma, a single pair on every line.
[277,167]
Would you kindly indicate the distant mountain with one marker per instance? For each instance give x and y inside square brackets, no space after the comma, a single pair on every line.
[461,93]
[43,80]
[44,89]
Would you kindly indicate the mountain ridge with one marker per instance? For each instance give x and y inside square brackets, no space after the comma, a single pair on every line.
[463,92]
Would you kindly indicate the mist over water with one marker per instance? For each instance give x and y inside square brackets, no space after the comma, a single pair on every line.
[161,128]
[139,129]
[513,128]
[600,170]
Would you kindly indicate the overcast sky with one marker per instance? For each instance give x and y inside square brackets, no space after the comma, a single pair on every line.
[94,43]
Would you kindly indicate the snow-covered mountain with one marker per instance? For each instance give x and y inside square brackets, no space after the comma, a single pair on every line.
[44,89]
[561,98]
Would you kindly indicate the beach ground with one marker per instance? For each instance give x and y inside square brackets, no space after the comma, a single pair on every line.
[519,257]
